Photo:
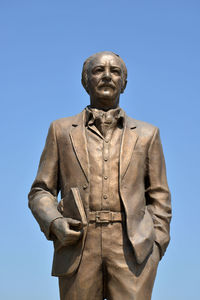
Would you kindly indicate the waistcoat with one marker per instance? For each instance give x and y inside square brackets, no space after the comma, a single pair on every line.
[104,132]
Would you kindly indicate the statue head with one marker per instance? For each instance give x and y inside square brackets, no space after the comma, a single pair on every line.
[104,77]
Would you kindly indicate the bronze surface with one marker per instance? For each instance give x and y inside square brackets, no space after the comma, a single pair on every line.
[111,227]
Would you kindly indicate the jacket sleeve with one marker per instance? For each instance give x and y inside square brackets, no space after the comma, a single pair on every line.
[157,193]
[45,188]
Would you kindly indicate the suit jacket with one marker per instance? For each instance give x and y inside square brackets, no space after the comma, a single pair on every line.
[142,180]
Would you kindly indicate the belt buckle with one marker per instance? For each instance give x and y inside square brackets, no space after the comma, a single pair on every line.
[103,217]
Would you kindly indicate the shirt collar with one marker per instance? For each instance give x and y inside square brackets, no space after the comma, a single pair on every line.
[92,113]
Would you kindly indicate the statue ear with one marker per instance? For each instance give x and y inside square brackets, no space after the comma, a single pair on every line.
[84,84]
[124,86]
[86,88]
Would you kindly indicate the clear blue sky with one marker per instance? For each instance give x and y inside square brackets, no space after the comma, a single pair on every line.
[42,47]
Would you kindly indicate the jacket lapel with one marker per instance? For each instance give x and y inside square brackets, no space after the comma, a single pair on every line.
[129,139]
[78,139]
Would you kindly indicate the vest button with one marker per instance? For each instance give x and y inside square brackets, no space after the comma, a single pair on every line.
[85,186]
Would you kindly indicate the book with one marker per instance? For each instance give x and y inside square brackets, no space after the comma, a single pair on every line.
[71,206]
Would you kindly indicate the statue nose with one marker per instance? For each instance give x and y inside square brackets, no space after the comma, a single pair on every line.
[107,75]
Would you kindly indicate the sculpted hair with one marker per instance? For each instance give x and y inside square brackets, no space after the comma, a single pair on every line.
[87,62]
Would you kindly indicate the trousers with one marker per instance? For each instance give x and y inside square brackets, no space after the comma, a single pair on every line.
[108,268]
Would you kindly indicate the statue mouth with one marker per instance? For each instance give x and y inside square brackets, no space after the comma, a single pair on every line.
[107,85]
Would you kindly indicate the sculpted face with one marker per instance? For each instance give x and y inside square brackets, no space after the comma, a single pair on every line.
[105,80]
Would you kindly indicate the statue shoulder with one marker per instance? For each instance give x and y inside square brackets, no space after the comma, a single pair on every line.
[141,127]
[64,125]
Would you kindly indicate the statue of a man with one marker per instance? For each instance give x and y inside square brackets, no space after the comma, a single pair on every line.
[111,227]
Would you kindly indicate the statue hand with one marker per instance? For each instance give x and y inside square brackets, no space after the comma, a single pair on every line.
[61,228]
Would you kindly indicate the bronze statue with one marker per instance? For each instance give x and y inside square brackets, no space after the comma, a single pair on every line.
[111,227]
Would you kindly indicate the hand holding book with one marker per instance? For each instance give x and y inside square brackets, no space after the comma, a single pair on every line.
[67,230]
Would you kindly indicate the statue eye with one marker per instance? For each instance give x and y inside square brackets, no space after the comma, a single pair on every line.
[116,71]
[98,70]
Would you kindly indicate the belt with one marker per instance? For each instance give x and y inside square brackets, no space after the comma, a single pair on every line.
[105,216]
